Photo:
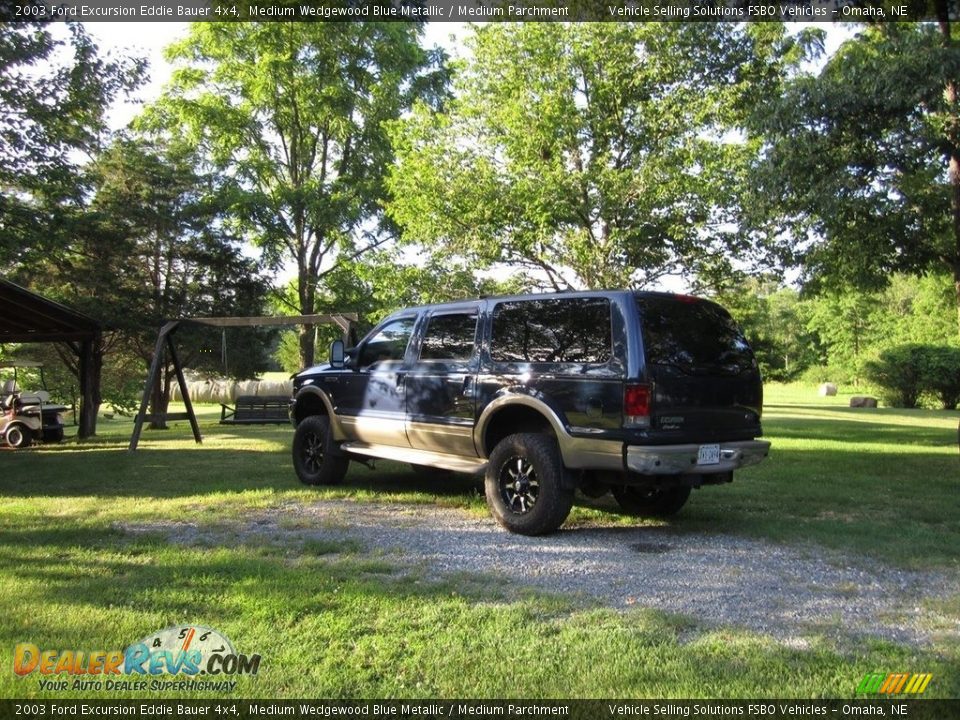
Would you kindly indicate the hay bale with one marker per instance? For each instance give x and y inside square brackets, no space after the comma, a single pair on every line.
[275,388]
[863,401]
[828,389]
[223,391]
[247,387]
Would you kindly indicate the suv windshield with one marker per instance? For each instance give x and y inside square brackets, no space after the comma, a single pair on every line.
[694,335]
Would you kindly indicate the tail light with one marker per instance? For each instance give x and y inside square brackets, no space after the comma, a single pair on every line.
[636,405]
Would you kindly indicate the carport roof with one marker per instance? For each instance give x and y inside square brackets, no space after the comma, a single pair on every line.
[28,317]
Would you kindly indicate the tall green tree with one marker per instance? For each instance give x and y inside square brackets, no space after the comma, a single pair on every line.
[589,154]
[171,256]
[149,246]
[847,325]
[861,177]
[291,115]
[55,89]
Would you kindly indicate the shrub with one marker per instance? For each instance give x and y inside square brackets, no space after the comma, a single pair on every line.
[898,372]
[941,375]
[906,372]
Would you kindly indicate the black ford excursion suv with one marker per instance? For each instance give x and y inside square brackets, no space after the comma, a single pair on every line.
[643,394]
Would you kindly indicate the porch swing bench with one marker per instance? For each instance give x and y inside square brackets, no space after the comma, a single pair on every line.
[256,410]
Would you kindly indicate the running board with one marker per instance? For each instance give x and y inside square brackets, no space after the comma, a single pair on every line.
[416,457]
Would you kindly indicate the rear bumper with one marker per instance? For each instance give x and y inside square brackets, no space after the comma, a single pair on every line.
[682,459]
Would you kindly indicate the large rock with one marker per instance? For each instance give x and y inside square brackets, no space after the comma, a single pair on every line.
[828,390]
[863,401]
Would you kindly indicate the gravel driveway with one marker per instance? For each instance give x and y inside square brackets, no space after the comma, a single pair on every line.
[788,592]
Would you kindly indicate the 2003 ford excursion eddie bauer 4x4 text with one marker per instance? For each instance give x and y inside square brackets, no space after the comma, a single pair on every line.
[643,394]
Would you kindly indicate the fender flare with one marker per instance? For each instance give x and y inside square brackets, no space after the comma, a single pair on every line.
[513,398]
[328,405]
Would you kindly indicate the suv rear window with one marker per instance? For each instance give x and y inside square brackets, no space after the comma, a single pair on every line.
[695,335]
[573,330]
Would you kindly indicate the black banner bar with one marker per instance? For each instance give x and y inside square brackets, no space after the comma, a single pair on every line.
[475,10]
[481,709]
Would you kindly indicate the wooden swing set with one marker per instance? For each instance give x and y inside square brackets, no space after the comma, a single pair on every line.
[165,345]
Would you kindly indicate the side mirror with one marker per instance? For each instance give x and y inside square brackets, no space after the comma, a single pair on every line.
[336,354]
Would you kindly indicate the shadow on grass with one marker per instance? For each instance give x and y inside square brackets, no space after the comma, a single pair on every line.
[899,506]
[195,470]
[858,430]
[109,568]
[340,624]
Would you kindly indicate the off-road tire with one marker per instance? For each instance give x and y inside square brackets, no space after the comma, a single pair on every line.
[316,457]
[651,501]
[528,490]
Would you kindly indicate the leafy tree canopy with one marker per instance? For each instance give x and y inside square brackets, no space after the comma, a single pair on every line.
[291,116]
[590,154]
[861,177]
[55,88]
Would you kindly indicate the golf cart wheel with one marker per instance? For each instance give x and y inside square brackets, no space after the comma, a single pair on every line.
[18,437]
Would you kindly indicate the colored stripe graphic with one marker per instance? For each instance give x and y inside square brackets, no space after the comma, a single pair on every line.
[894,683]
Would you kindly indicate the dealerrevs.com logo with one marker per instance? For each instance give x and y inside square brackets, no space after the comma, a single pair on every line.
[180,650]
[894,683]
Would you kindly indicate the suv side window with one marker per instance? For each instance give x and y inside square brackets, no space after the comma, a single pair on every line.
[449,337]
[570,330]
[390,343]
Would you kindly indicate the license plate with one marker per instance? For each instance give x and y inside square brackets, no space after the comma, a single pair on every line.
[708,455]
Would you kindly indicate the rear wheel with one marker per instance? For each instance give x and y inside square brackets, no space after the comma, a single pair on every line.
[526,485]
[316,457]
[651,501]
[18,436]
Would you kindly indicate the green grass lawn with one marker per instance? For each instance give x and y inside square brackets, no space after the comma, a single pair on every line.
[333,620]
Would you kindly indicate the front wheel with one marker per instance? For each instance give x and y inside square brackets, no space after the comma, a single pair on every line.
[526,485]
[316,457]
[651,501]
[18,437]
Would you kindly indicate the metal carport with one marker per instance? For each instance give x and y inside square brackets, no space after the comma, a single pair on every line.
[26,317]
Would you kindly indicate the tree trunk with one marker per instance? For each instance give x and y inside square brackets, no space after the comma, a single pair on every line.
[307,346]
[308,298]
[90,367]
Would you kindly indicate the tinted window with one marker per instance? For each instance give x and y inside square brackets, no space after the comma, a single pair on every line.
[575,330]
[449,337]
[390,343]
[695,335]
